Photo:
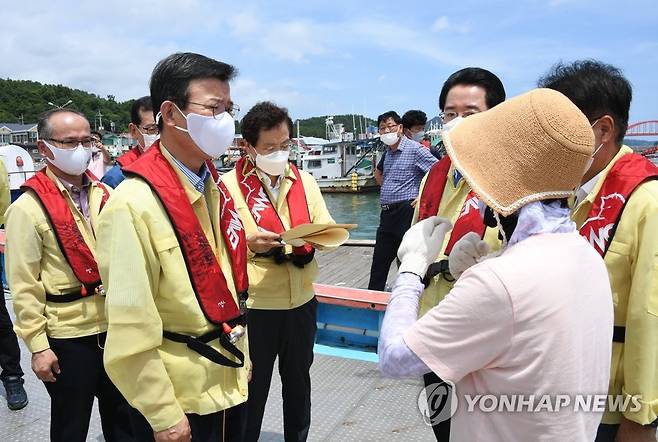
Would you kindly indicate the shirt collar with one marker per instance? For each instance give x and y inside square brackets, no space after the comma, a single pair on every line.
[70,187]
[403,143]
[598,180]
[198,180]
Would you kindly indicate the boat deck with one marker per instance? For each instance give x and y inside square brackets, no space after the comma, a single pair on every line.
[349,266]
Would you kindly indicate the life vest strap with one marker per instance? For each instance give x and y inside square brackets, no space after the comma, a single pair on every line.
[200,344]
[438,268]
[89,291]
[280,258]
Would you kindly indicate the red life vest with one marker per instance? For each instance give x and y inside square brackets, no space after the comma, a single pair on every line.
[624,177]
[129,157]
[469,219]
[262,209]
[69,238]
[208,281]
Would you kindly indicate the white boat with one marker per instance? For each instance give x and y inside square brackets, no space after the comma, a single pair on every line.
[339,166]
[20,167]
[338,163]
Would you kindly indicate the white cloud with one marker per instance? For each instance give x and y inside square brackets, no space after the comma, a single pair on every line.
[443,24]
[294,41]
[246,92]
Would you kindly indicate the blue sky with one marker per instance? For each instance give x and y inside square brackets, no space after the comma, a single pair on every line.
[333,57]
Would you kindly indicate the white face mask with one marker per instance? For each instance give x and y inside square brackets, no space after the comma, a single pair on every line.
[591,160]
[70,161]
[148,140]
[450,125]
[418,136]
[273,163]
[213,135]
[389,138]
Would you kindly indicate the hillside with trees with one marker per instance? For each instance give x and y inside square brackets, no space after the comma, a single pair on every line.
[29,99]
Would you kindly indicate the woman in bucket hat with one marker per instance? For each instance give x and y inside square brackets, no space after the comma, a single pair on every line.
[524,336]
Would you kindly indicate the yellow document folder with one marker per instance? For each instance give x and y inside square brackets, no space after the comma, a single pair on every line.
[324,235]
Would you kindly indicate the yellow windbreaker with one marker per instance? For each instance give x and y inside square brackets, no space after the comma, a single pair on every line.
[148,291]
[280,286]
[632,261]
[36,266]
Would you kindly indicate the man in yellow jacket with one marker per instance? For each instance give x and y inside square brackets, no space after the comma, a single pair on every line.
[172,255]
[272,196]
[55,284]
[617,211]
[11,373]
[445,193]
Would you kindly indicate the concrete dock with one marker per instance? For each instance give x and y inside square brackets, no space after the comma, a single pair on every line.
[351,401]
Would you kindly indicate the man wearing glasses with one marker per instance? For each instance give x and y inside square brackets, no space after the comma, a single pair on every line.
[272,196]
[143,129]
[405,163]
[55,283]
[445,193]
[173,255]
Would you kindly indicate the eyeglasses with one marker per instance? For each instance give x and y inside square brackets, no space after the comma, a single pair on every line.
[450,115]
[219,109]
[151,129]
[70,143]
[284,146]
[389,128]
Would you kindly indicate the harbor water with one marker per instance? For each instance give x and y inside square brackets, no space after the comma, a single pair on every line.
[355,208]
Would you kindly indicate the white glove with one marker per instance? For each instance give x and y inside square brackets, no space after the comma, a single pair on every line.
[422,244]
[467,252]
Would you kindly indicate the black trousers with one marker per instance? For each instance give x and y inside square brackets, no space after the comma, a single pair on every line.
[393,224]
[290,335]
[222,426]
[10,353]
[441,429]
[81,379]
[607,433]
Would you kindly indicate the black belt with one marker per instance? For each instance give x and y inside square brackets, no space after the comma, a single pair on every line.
[619,334]
[438,268]
[73,296]
[387,207]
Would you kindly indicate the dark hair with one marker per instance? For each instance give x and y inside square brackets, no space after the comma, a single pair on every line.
[263,116]
[171,77]
[414,118]
[596,88]
[390,114]
[44,129]
[95,132]
[140,105]
[493,87]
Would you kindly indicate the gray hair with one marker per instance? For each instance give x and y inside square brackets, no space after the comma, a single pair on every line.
[44,129]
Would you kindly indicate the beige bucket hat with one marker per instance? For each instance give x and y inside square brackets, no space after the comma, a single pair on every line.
[533,147]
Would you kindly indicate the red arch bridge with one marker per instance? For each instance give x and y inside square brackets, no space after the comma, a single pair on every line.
[647,128]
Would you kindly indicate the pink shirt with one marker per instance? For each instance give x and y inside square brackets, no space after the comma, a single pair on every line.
[536,320]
